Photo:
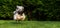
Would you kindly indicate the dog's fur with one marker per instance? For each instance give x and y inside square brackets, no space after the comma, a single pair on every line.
[19,14]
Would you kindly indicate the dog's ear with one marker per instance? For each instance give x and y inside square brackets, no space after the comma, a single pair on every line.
[23,7]
[20,7]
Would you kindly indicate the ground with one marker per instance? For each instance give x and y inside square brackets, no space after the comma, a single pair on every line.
[29,24]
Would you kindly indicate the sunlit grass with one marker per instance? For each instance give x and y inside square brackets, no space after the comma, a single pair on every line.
[29,24]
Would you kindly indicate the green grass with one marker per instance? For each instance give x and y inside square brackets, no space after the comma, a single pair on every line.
[29,24]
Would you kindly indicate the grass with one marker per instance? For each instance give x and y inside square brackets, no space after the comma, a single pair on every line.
[29,24]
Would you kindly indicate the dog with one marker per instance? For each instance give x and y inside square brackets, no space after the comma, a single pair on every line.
[19,14]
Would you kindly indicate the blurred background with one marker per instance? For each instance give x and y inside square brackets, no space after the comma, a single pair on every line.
[38,10]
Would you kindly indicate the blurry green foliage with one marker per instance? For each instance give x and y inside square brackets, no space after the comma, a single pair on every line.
[35,9]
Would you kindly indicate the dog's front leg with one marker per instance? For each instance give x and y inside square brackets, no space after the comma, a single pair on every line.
[15,18]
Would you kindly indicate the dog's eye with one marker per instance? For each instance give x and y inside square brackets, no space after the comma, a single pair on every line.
[16,8]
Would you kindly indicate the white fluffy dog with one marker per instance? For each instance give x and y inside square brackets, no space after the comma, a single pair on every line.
[19,14]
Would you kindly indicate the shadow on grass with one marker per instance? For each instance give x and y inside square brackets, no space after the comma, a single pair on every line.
[16,22]
[19,23]
[12,23]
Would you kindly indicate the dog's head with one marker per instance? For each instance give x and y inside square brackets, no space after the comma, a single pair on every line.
[20,8]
